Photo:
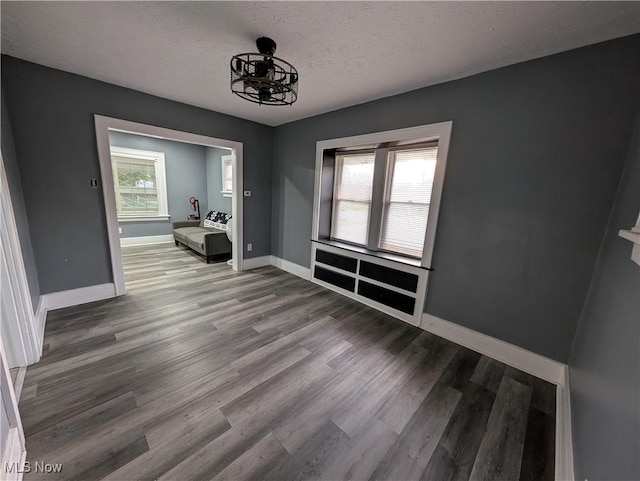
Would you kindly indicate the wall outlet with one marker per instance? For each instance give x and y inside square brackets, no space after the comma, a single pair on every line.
[247,193]
[249,247]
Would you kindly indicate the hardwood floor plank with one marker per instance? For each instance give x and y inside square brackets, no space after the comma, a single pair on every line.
[116,458]
[500,452]
[398,409]
[266,400]
[488,373]
[411,453]
[313,457]
[359,461]
[253,463]
[312,411]
[359,408]
[79,425]
[173,439]
[200,372]
[543,397]
[538,457]
[461,438]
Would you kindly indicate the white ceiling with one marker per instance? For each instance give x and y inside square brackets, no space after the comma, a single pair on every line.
[346,52]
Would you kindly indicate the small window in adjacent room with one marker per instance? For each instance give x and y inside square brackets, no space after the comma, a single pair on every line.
[227,175]
[139,183]
[352,197]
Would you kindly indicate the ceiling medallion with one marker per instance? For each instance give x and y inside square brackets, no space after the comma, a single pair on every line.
[262,78]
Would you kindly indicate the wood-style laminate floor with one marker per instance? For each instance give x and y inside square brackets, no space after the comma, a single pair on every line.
[201,373]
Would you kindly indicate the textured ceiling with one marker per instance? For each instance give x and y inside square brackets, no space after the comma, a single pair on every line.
[346,52]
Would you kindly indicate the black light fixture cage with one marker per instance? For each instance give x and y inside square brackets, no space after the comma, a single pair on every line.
[263,78]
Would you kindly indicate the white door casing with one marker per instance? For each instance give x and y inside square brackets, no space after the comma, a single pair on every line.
[22,333]
[103,125]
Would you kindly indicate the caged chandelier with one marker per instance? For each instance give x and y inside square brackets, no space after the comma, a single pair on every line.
[262,78]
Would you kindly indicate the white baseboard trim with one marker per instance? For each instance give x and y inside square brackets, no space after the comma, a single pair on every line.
[13,457]
[74,297]
[291,267]
[256,262]
[19,382]
[147,240]
[515,356]
[40,319]
[564,437]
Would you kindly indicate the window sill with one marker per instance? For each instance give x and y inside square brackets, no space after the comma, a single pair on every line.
[226,193]
[157,218]
[410,261]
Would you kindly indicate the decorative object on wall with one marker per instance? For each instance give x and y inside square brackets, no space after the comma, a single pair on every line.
[195,205]
[633,235]
[262,78]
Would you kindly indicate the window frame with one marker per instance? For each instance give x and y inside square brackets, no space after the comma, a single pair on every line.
[336,183]
[409,137]
[161,182]
[390,163]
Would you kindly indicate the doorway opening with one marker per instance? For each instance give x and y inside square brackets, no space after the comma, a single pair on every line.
[148,204]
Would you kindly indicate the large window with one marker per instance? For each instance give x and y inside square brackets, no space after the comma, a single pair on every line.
[381,198]
[379,194]
[139,183]
[375,214]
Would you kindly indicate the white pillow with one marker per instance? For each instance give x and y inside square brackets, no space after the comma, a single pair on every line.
[215,225]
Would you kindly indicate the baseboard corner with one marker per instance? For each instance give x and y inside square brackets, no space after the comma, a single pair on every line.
[291,267]
[255,262]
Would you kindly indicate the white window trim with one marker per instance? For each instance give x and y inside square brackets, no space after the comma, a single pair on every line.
[161,182]
[633,235]
[424,133]
[334,210]
[224,161]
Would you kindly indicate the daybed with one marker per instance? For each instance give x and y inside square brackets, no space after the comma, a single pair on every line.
[208,237]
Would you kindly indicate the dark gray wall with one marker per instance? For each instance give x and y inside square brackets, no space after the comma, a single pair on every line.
[536,153]
[216,201]
[51,113]
[604,366]
[19,210]
[186,170]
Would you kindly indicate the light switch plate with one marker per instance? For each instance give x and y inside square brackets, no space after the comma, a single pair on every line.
[247,193]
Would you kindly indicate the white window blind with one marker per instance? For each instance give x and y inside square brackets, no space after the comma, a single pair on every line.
[352,197]
[409,181]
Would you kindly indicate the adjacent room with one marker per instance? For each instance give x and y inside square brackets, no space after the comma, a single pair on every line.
[320,240]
